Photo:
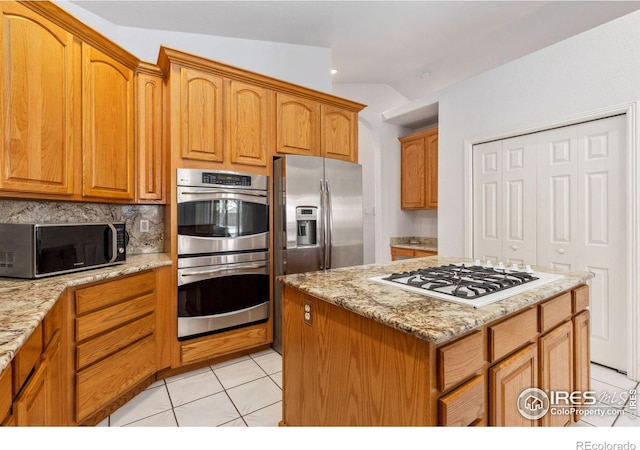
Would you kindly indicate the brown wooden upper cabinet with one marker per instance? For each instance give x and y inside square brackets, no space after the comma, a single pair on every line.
[298,125]
[150,163]
[308,127]
[339,133]
[69,109]
[39,61]
[107,117]
[201,121]
[419,170]
[250,124]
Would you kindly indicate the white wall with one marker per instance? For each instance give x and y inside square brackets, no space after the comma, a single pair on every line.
[596,69]
[390,220]
[300,64]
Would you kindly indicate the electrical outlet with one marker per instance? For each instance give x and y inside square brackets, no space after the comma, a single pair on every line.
[144,226]
[308,319]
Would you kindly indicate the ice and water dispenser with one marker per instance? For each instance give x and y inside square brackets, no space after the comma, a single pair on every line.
[307,219]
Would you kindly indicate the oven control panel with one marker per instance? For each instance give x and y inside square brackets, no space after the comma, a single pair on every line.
[226,179]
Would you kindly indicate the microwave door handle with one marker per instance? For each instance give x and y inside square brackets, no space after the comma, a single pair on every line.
[329,214]
[114,243]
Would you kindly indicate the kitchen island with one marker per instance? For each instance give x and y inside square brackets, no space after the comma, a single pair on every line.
[357,352]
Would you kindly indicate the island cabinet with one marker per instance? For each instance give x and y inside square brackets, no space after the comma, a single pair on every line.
[341,368]
[31,389]
[419,170]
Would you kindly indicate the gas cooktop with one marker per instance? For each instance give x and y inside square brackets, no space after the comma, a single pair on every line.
[469,284]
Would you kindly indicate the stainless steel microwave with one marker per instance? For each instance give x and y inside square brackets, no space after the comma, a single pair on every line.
[41,250]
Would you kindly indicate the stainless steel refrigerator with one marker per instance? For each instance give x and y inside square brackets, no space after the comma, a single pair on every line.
[317,220]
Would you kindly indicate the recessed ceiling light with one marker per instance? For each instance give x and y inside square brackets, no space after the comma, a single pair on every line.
[334,71]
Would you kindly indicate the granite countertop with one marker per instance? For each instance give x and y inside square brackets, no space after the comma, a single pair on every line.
[428,244]
[427,318]
[25,303]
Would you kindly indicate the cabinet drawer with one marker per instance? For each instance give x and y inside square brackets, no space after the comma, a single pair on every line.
[423,253]
[402,252]
[465,406]
[109,343]
[512,333]
[5,393]
[459,360]
[113,316]
[554,311]
[26,359]
[580,298]
[105,294]
[105,381]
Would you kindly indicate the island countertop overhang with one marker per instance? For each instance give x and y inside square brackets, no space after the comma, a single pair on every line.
[427,318]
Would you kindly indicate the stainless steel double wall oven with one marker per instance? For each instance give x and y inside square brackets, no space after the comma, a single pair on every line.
[223,251]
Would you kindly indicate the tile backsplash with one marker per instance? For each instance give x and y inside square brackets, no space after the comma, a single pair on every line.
[30,211]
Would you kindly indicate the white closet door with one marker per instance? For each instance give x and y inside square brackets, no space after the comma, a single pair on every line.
[519,200]
[557,207]
[487,201]
[581,222]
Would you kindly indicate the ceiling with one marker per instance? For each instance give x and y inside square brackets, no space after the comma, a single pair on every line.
[417,47]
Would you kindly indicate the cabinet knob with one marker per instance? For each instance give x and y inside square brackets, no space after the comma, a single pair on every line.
[514,247]
[561,251]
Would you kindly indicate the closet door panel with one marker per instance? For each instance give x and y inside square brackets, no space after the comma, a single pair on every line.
[487,201]
[557,155]
[519,200]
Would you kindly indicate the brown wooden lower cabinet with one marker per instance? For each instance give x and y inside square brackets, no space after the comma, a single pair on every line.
[507,380]
[465,406]
[340,368]
[38,397]
[404,253]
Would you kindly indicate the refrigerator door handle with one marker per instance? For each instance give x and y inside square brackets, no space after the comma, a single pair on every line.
[329,214]
[323,225]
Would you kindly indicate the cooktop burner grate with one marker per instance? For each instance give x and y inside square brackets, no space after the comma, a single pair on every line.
[468,284]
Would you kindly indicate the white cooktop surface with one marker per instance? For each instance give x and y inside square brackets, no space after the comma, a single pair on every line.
[543,278]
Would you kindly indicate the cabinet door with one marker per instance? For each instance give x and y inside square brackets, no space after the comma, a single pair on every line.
[107,113]
[149,138]
[413,176]
[581,355]
[6,394]
[556,368]
[431,144]
[250,124]
[201,106]
[30,408]
[298,120]
[507,380]
[38,103]
[338,133]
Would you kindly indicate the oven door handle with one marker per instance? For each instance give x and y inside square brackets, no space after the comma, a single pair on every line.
[223,270]
[192,195]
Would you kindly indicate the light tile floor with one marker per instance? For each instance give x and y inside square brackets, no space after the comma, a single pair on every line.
[247,392]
